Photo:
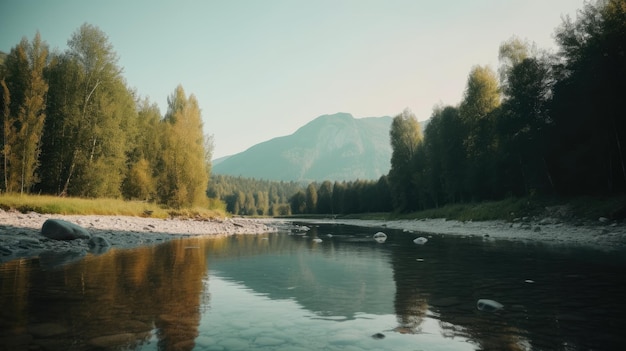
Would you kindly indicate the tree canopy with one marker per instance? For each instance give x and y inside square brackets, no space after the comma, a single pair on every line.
[71,126]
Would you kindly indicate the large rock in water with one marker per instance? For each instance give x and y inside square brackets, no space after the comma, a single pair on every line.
[58,229]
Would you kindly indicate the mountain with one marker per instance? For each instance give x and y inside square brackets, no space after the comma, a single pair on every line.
[331,147]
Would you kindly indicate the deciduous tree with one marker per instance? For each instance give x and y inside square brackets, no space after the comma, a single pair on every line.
[24,92]
[184,179]
[90,114]
[405,135]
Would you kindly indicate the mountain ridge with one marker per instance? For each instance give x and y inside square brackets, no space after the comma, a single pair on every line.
[332,147]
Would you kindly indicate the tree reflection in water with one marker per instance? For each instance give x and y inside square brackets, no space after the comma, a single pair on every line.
[160,295]
[118,299]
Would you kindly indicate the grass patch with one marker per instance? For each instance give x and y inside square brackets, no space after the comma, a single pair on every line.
[507,209]
[104,207]
[586,208]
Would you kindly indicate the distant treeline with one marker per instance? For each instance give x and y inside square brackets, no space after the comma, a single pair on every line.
[253,197]
[544,124]
[72,127]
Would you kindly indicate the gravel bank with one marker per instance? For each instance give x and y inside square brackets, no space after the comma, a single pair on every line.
[603,234]
[20,233]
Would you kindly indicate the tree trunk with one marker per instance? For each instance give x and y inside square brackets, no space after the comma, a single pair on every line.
[69,175]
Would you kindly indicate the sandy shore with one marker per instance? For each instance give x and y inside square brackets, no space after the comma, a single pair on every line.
[20,233]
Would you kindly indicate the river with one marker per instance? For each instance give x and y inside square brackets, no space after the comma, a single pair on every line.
[286,291]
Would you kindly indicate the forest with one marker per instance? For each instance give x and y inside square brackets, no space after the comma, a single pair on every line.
[544,124]
[71,126]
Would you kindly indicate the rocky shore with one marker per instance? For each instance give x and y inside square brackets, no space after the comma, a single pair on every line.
[20,233]
[602,234]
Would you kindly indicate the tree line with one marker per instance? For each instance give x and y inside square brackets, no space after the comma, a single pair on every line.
[253,197]
[544,123]
[71,126]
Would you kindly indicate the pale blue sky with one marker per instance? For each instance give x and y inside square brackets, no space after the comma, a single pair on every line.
[261,69]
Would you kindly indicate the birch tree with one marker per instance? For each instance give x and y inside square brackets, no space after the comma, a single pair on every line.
[91,114]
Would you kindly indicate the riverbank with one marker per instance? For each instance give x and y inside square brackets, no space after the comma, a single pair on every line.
[602,234]
[20,233]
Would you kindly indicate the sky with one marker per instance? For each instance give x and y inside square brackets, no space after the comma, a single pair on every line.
[263,68]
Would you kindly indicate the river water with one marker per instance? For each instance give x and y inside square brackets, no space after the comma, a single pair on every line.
[285,291]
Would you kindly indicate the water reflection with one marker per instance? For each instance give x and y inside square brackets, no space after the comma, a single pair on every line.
[116,299]
[287,291]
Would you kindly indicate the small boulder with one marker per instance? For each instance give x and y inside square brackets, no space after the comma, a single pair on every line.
[58,229]
[380,237]
[378,336]
[420,241]
[98,244]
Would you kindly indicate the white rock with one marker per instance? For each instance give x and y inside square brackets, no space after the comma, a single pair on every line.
[420,241]
[380,237]
[488,305]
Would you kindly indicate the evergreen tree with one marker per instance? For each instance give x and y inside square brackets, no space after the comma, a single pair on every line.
[298,203]
[311,198]
[325,198]
[588,105]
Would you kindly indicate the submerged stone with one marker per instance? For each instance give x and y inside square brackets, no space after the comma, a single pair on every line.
[488,305]
[58,229]
[98,244]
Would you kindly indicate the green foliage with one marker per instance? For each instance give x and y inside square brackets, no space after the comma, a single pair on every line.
[71,127]
[557,126]
[248,196]
[405,136]
[79,206]
[90,118]
[24,92]
[184,177]
[588,107]
[298,203]
[311,198]
[140,184]
[360,196]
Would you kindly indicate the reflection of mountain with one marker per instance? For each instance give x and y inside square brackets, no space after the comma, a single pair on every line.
[109,301]
[345,279]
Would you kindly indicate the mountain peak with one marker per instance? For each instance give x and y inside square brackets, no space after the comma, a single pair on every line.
[331,147]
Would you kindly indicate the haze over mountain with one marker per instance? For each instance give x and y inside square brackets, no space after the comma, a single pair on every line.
[331,147]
